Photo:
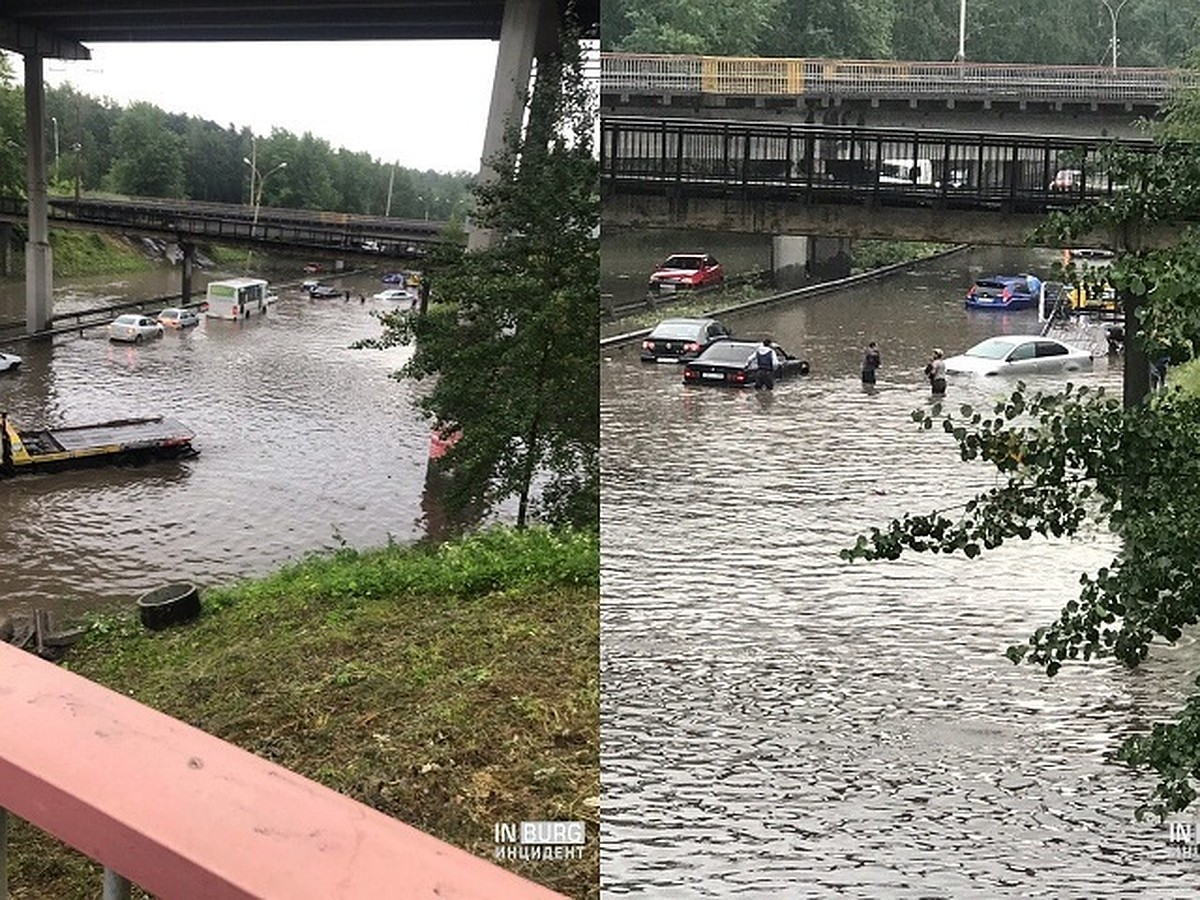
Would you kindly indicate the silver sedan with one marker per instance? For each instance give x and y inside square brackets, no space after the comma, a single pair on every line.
[1019,354]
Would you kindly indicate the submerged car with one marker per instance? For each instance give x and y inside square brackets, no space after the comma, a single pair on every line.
[678,340]
[394,295]
[325,292]
[176,317]
[729,363]
[687,271]
[134,327]
[1005,292]
[1019,354]
[9,361]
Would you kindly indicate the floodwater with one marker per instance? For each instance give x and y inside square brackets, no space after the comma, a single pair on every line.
[304,445]
[780,723]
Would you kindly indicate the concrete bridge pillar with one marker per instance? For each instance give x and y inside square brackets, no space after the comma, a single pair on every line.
[529,27]
[798,259]
[187,263]
[6,236]
[39,263]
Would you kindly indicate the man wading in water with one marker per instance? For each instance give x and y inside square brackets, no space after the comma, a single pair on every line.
[935,371]
[762,360]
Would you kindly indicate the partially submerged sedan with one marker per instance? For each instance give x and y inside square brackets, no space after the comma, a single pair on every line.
[9,361]
[1020,354]
[134,327]
[678,340]
[729,364]
[687,271]
[178,317]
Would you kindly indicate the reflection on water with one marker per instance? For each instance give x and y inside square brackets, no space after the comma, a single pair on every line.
[304,444]
[780,723]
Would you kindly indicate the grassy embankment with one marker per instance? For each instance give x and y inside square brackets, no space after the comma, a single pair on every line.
[867,255]
[88,253]
[452,687]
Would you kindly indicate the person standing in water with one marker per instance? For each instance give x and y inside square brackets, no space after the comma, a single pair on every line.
[935,371]
[870,363]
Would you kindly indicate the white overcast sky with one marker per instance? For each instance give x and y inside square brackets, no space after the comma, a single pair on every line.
[421,104]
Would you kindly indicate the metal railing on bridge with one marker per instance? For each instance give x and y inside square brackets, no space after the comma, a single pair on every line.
[232,223]
[844,164]
[634,73]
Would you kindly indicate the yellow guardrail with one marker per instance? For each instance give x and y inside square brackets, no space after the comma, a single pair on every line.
[781,76]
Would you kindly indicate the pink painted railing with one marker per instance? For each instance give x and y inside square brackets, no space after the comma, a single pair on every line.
[183,814]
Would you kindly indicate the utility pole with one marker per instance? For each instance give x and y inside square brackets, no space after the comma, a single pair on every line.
[391,181]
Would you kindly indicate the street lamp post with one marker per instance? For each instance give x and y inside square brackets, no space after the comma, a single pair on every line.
[54,121]
[257,182]
[962,32]
[1112,14]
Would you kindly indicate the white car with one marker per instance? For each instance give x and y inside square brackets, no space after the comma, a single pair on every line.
[134,327]
[1019,354]
[9,361]
[174,317]
[395,295]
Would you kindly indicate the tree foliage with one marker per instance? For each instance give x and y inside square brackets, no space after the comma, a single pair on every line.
[144,150]
[508,348]
[1075,32]
[1079,456]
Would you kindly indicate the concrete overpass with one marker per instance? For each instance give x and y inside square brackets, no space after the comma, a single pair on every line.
[1086,101]
[60,30]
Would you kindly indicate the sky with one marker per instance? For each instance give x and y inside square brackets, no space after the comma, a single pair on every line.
[421,104]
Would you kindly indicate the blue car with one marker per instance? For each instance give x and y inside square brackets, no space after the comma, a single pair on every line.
[1005,292]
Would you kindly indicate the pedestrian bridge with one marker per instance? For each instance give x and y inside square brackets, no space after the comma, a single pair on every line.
[840,181]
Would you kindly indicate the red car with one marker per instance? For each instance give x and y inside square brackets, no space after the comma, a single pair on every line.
[687,270]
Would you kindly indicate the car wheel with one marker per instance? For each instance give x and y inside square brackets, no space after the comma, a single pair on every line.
[137,338]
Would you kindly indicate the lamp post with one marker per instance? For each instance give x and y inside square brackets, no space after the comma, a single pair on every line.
[962,32]
[257,180]
[1112,14]
[54,121]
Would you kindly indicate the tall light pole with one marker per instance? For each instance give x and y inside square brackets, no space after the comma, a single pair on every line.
[259,180]
[54,121]
[387,210]
[962,32]
[1112,13]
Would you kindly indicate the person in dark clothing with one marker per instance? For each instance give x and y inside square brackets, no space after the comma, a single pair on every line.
[935,371]
[762,361]
[871,360]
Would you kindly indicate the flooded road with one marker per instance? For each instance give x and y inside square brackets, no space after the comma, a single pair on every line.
[304,444]
[779,723]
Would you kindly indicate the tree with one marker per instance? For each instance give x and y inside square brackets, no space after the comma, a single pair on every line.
[509,345]
[1079,456]
[149,156]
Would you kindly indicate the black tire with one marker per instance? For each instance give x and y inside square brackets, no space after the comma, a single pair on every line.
[137,338]
[169,605]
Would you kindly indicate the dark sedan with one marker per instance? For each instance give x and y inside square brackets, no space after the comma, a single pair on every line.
[730,363]
[678,340]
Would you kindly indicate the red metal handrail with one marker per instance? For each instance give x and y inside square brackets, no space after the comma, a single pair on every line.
[184,814]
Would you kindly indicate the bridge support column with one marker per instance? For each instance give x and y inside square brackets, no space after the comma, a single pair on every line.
[528,28]
[789,260]
[39,263]
[6,236]
[188,249]
[798,259]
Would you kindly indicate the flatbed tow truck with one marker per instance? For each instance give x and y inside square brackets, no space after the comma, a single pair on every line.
[82,445]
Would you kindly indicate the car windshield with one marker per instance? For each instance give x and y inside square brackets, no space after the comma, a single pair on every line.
[127,320]
[728,352]
[995,348]
[684,262]
[169,314]
[680,330]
